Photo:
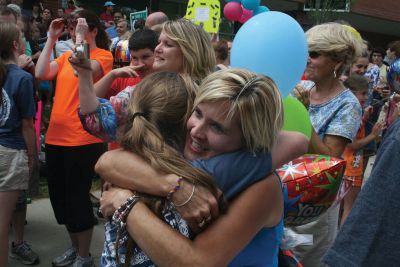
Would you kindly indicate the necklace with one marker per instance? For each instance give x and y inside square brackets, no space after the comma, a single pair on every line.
[320,97]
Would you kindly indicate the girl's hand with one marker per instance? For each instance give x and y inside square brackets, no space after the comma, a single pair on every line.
[79,62]
[112,199]
[81,30]
[377,129]
[56,28]
[367,112]
[127,72]
[25,61]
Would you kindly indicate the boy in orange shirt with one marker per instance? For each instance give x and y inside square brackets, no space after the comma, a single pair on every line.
[353,154]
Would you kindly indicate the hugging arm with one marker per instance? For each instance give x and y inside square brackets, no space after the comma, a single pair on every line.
[252,210]
[289,146]
[124,168]
[127,170]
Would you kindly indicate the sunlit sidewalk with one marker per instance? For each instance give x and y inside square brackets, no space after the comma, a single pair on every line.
[48,239]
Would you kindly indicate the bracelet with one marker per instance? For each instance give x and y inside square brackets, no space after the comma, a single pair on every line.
[176,188]
[121,214]
[187,200]
[119,218]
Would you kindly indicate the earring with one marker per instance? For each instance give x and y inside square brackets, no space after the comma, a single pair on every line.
[334,73]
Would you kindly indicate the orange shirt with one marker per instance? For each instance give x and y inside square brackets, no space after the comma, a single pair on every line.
[65,128]
[120,84]
[354,158]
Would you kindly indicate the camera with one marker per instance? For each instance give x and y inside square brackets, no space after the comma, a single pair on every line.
[84,49]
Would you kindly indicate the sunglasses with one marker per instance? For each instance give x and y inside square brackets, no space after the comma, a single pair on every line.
[313,54]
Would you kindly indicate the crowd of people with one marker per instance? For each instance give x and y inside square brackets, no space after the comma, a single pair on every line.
[186,145]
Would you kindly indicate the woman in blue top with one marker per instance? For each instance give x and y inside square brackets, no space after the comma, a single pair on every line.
[235,111]
[17,132]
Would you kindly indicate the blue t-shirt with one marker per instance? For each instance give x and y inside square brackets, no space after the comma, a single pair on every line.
[234,172]
[17,103]
[340,116]
[112,32]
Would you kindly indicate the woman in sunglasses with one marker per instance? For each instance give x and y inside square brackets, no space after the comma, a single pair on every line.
[335,114]
[70,151]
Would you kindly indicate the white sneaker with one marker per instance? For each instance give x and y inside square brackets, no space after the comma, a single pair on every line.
[66,259]
[84,262]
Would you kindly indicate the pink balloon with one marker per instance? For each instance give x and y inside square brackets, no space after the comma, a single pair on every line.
[246,15]
[233,11]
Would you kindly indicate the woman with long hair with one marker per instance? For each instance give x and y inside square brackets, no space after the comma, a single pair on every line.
[183,47]
[17,132]
[70,151]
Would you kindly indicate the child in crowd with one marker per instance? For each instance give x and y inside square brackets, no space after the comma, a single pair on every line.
[353,154]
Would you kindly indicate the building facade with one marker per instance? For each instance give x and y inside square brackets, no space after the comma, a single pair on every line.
[377,21]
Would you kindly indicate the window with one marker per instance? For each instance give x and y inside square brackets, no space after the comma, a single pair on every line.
[327,5]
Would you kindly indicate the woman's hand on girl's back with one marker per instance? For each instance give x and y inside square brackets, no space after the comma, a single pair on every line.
[202,206]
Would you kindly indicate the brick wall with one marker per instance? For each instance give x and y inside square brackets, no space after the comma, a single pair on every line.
[385,9]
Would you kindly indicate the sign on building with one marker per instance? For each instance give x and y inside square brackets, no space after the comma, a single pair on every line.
[137,15]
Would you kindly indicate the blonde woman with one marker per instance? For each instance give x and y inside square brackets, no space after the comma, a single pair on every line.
[183,48]
[230,134]
[335,114]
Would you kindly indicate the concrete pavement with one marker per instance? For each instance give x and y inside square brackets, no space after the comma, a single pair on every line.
[48,239]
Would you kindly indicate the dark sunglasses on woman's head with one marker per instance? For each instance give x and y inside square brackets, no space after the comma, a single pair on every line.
[313,54]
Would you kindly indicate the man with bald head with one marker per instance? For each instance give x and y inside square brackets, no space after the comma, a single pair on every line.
[155,19]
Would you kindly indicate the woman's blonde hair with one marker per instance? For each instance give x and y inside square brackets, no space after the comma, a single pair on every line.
[341,43]
[195,43]
[155,131]
[156,128]
[9,32]
[254,97]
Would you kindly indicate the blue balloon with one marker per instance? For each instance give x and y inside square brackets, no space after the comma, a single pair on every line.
[250,4]
[260,9]
[272,43]
[393,76]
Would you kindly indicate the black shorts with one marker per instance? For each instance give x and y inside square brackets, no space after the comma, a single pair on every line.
[69,178]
